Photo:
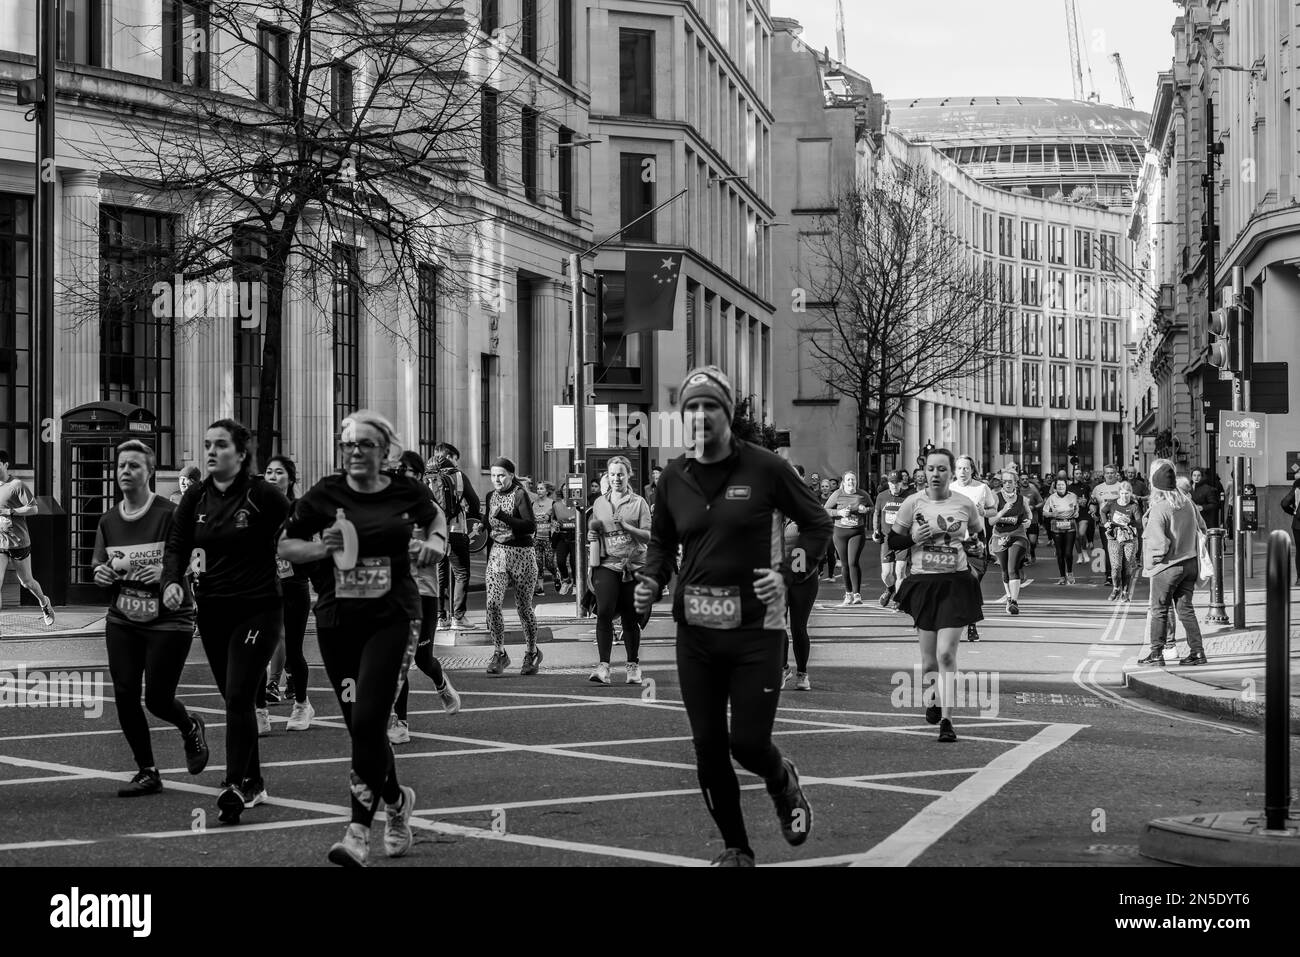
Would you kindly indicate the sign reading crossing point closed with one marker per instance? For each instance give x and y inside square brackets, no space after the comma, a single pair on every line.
[1241,433]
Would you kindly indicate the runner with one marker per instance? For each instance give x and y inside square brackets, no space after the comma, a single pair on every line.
[1106,491]
[851,510]
[893,565]
[1122,522]
[511,562]
[1008,540]
[803,596]
[411,466]
[564,525]
[367,616]
[463,520]
[225,530]
[544,516]
[1081,489]
[1061,512]
[724,504]
[295,583]
[145,641]
[618,533]
[1029,489]
[985,503]
[16,503]
[936,529]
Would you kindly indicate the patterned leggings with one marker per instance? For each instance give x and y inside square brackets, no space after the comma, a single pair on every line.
[510,565]
[1123,562]
[545,558]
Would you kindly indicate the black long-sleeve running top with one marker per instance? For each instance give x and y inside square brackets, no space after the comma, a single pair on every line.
[231,538]
[728,517]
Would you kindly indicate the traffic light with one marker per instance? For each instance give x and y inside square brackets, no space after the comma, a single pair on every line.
[31,91]
[1225,328]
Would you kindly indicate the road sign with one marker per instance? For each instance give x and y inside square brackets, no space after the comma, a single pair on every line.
[1227,375]
[1241,433]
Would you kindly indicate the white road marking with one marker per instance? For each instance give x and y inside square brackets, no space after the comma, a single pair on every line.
[36,845]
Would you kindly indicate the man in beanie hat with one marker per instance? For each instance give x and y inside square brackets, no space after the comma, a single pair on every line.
[725,503]
[1170,552]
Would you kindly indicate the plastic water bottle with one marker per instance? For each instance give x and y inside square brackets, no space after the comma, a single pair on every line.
[346,558]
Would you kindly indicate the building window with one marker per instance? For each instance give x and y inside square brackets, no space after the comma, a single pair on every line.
[1008,369]
[1056,244]
[1085,298]
[1006,282]
[426,317]
[347,332]
[988,381]
[636,51]
[1056,292]
[1031,386]
[1083,395]
[1110,294]
[488,137]
[988,232]
[619,362]
[566,172]
[1109,341]
[565,8]
[637,194]
[1029,241]
[341,93]
[1110,390]
[1083,342]
[248,251]
[137,347]
[16,328]
[273,66]
[1007,336]
[1082,249]
[528,147]
[81,31]
[692,290]
[1056,340]
[487,383]
[185,42]
[1030,292]
[1059,397]
[490,16]
[1107,247]
[528,29]
[1006,236]
[1031,333]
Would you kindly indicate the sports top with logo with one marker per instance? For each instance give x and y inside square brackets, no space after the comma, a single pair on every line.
[229,537]
[841,499]
[129,545]
[621,549]
[886,510]
[13,528]
[951,520]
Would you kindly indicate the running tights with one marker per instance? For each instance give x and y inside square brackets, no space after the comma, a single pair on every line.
[801,596]
[1064,544]
[1011,560]
[742,667]
[366,666]
[616,597]
[1123,562]
[507,566]
[297,606]
[849,543]
[424,657]
[563,547]
[158,658]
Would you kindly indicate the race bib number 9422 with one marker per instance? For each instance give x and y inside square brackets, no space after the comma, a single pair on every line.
[712,607]
[938,558]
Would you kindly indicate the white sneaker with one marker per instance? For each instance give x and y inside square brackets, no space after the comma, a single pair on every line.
[463,624]
[300,717]
[263,722]
[857,598]
[397,831]
[354,849]
[399,732]
[801,682]
[633,673]
[786,674]
[450,699]
[848,600]
[601,674]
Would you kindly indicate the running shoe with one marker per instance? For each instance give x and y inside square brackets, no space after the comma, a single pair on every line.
[532,661]
[499,663]
[1114,594]
[540,591]
[1013,607]
[801,682]
[444,623]
[354,849]
[47,613]
[1126,595]
[792,807]
[848,600]
[300,717]
[1155,658]
[146,781]
[786,674]
[1060,581]
[857,599]
[946,733]
[273,691]
[886,597]
[733,857]
[230,804]
[397,830]
[1069,579]
[288,689]
[254,792]
[972,633]
[196,746]
[633,673]
[1108,582]
[263,722]
[464,624]
[933,714]
[450,698]
[399,732]
[1195,658]
[601,674]
[893,606]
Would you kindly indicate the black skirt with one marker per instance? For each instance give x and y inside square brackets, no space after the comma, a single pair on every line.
[948,600]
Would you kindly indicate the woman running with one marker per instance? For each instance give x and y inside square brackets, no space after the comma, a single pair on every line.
[893,565]
[851,510]
[411,466]
[982,496]
[936,528]
[544,516]
[825,488]
[564,525]
[367,616]
[295,584]
[617,537]
[145,641]
[511,562]
[802,598]
[1008,540]
[225,530]
[1061,512]
[1121,520]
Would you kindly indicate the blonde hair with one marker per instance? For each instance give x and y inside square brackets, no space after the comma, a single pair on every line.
[846,475]
[619,460]
[1126,487]
[380,423]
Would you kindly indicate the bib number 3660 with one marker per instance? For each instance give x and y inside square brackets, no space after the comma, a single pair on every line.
[712,607]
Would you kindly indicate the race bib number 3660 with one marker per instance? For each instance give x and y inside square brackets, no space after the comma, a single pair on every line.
[712,607]
[371,578]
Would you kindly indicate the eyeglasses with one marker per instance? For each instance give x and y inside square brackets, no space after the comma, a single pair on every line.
[365,445]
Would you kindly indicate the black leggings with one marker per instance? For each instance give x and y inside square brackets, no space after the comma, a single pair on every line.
[615,597]
[372,660]
[743,667]
[563,546]
[424,658]
[1012,559]
[849,543]
[297,606]
[239,642]
[1063,542]
[159,658]
[802,596]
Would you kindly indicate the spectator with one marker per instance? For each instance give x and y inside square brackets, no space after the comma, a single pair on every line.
[189,475]
[649,490]
[1289,506]
[463,520]
[1171,559]
[1208,499]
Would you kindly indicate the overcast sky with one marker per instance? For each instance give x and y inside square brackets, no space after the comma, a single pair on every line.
[994,48]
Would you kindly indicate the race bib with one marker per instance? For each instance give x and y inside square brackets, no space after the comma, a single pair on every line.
[544,529]
[890,514]
[1062,524]
[938,558]
[1119,518]
[283,568]
[137,604]
[371,578]
[851,521]
[710,607]
[618,541]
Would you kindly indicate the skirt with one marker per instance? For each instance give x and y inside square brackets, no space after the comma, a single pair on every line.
[948,600]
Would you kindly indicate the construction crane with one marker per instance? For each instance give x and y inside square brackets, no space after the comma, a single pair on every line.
[841,53]
[1076,62]
[1125,90]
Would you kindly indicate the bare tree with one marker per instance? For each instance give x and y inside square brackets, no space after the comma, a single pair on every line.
[303,125]
[901,303]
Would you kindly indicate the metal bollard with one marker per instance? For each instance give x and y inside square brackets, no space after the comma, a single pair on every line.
[1218,611]
[1277,682]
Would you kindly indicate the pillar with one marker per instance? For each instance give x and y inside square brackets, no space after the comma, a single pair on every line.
[77,294]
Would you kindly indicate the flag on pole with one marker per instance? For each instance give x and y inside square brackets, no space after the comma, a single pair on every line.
[651,290]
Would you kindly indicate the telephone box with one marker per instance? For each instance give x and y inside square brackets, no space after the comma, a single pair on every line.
[90,433]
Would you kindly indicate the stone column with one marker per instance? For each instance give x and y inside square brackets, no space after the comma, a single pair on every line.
[550,341]
[307,386]
[76,327]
